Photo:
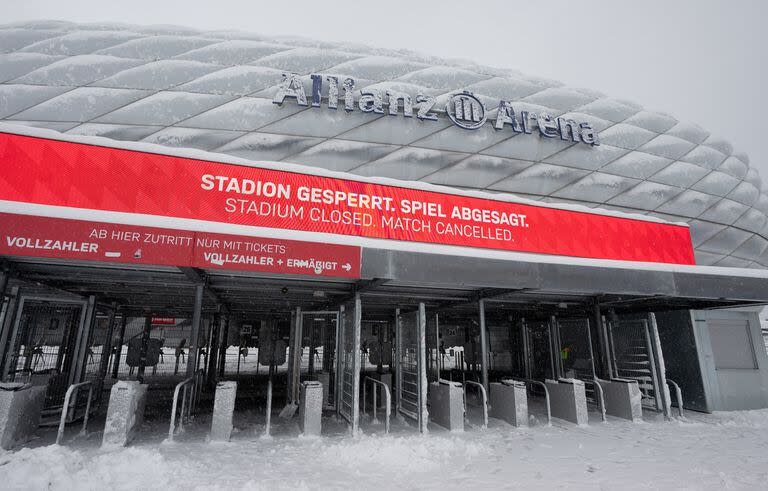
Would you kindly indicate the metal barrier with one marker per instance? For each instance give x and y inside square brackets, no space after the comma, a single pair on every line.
[601,397]
[678,396]
[74,388]
[268,426]
[387,397]
[194,385]
[546,395]
[467,383]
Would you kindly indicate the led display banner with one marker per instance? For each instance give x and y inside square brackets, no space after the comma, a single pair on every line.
[52,172]
[23,235]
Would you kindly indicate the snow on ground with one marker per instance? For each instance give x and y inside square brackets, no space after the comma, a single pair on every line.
[718,451]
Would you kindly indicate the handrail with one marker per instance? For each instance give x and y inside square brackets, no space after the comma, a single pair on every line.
[74,388]
[485,399]
[601,395]
[388,400]
[678,395]
[268,426]
[546,395]
[187,383]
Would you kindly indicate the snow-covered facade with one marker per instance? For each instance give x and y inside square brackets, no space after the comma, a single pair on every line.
[214,91]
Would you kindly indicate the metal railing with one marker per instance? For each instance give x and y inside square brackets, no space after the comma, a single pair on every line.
[546,396]
[387,400]
[678,396]
[268,426]
[74,389]
[188,404]
[480,386]
[600,397]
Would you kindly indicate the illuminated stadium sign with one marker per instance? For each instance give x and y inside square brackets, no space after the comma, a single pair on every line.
[464,109]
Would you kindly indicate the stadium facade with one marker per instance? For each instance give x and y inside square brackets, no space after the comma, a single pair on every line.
[563,213]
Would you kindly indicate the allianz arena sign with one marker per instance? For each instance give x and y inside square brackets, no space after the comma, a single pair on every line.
[464,109]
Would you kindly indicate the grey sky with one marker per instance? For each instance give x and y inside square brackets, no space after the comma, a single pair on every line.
[699,60]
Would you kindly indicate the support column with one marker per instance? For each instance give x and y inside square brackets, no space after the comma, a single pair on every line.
[82,340]
[11,312]
[119,347]
[607,369]
[145,334]
[483,347]
[598,345]
[659,367]
[212,351]
[223,344]
[106,349]
[194,337]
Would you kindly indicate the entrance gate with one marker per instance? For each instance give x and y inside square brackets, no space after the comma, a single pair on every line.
[49,343]
[632,357]
[348,364]
[411,386]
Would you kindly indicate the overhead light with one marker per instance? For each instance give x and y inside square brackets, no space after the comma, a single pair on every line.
[562,305]
[318,294]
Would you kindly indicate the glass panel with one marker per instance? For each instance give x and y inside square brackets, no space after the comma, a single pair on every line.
[163,108]
[652,121]
[78,70]
[81,104]
[726,241]
[586,156]
[378,67]
[15,65]
[720,144]
[725,211]
[528,147]
[702,231]
[114,131]
[734,167]
[667,146]
[679,174]
[263,146]
[477,171]
[244,114]
[689,131]
[625,136]
[646,196]
[689,204]
[610,109]
[342,155]
[596,187]
[704,156]
[636,164]
[159,75]
[237,80]
[15,98]
[156,47]
[746,193]
[305,60]
[560,98]
[752,248]
[14,39]
[505,88]
[320,122]
[80,42]
[237,52]
[539,179]
[460,140]
[409,164]
[400,131]
[717,183]
[443,77]
[753,220]
[192,138]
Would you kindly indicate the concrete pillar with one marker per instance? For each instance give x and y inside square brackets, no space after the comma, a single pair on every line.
[446,404]
[311,408]
[194,337]
[509,402]
[223,411]
[20,411]
[569,400]
[483,346]
[622,398]
[124,413]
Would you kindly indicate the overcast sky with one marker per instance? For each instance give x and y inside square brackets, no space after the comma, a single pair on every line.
[700,60]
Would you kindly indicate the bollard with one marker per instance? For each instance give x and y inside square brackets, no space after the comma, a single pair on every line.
[446,404]
[623,398]
[311,408]
[223,410]
[124,413]
[569,400]
[21,406]
[509,402]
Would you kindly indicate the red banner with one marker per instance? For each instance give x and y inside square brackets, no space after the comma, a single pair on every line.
[163,321]
[23,235]
[52,172]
